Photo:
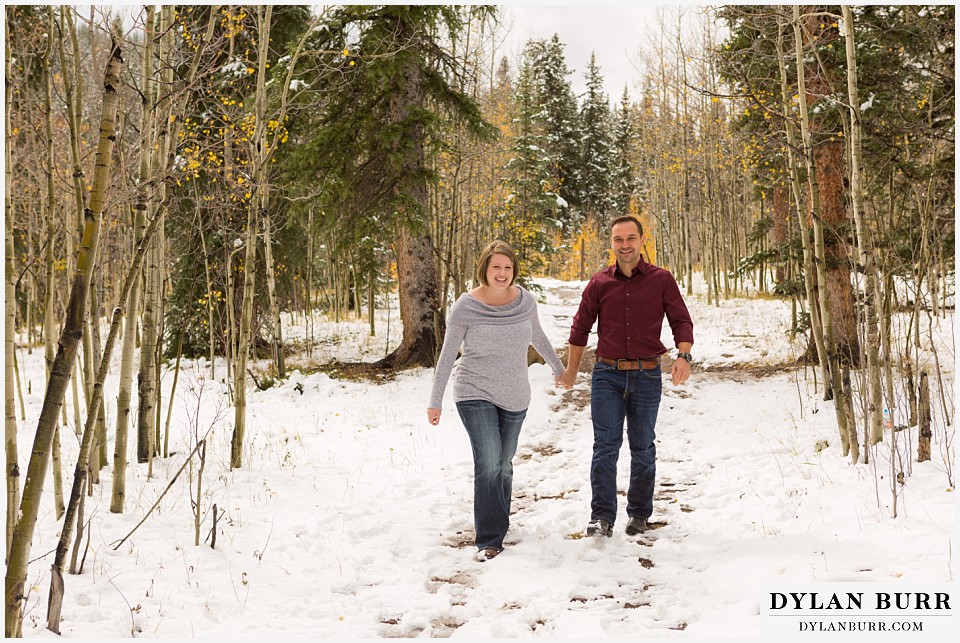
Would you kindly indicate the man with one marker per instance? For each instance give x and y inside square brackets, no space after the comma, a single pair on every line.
[630,299]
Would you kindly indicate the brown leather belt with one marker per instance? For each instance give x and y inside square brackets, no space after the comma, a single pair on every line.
[631,364]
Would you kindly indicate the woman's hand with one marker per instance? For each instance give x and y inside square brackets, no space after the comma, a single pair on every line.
[433,416]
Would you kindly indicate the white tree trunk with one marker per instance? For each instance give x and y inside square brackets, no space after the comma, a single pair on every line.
[131,309]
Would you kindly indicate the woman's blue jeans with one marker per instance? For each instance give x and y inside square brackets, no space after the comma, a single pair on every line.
[615,396]
[493,437]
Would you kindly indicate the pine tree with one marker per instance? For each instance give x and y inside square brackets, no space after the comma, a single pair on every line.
[372,140]
[531,207]
[560,121]
[622,181]
[596,155]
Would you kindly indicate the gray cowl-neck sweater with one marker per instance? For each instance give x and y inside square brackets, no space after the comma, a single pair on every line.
[493,366]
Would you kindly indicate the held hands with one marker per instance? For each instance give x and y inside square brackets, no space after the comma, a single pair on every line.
[567,379]
[433,415]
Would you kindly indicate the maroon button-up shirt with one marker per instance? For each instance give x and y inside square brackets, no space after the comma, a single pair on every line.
[631,311]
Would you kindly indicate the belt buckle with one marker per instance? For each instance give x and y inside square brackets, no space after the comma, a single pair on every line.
[623,360]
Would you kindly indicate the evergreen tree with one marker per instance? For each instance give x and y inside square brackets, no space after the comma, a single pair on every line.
[622,181]
[596,156]
[560,121]
[391,92]
[531,207]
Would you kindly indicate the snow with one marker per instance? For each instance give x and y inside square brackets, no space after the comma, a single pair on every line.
[867,104]
[352,516]
[235,68]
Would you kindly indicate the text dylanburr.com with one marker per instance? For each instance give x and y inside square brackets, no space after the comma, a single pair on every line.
[867,609]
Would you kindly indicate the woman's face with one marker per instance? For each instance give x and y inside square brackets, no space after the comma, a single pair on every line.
[499,271]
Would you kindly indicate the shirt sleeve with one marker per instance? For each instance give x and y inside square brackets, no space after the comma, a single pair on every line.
[452,340]
[542,343]
[677,314]
[586,315]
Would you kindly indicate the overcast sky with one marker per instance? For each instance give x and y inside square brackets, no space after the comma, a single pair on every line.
[616,33]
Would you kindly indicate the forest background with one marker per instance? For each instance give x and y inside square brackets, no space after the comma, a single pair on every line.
[186,176]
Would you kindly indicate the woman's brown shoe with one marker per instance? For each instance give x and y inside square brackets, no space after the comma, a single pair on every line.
[486,554]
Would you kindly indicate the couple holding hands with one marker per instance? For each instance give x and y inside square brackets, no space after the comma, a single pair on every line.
[497,321]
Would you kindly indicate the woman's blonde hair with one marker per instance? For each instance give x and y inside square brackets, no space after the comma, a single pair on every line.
[495,248]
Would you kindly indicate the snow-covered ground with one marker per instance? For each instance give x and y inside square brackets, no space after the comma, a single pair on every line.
[352,516]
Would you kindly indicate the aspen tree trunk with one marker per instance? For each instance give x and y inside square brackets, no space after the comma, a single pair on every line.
[74,514]
[50,260]
[144,194]
[30,303]
[88,364]
[93,315]
[208,277]
[231,338]
[261,151]
[146,380]
[66,356]
[847,398]
[309,289]
[272,284]
[809,272]
[73,93]
[228,131]
[865,242]
[10,315]
[150,324]
[72,97]
[926,432]
[840,406]
[249,266]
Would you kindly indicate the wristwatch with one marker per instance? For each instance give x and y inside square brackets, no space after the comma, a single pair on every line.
[686,356]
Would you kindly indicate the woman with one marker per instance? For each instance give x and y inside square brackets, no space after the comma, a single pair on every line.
[495,322]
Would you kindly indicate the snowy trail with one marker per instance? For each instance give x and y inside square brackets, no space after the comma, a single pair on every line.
[352,516]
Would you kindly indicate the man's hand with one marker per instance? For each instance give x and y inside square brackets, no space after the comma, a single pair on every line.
[680,371]
[433,416]
[568,378]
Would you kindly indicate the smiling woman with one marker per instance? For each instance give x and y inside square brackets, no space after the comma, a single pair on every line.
[495,323]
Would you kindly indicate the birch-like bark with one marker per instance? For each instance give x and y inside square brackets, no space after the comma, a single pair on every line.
[211,299]
[66,356]
[926,431]
[809,271]
[144,198]
[72,94]
[10,315]
[75,506]
[840,406]
[146,380]
[150,324]
[264,15]
[309,288]
[272,287]
[168,119]
[261,151]
[74,102]
[50,350]
[865,241]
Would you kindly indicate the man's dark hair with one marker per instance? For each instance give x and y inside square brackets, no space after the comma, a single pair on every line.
[627,219]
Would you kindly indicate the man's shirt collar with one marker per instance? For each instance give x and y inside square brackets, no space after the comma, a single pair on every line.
[637,270]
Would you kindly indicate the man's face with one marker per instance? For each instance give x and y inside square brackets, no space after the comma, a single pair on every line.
[626,242]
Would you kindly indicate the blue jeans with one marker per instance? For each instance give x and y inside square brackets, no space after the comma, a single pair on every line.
[493,437]
[615,396]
